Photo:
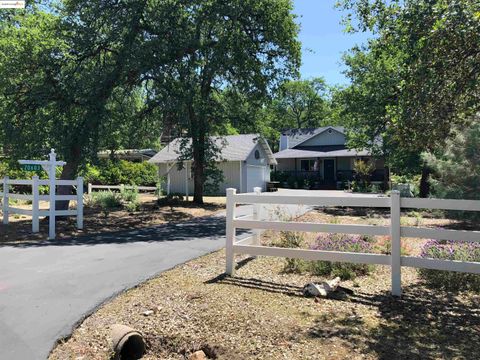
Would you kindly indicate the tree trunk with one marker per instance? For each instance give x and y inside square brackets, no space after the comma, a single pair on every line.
[198,148]
[424,182]
[198,185]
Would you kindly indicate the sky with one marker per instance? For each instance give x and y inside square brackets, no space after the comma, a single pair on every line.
[323,40]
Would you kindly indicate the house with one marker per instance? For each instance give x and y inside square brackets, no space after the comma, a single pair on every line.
[135,155]
[321,155]
[244,161]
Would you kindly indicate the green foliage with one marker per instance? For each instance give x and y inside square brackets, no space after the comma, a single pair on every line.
[456,170]
[363,170]
[109,200]
[87,78]
[301,104]
[249,46]
[416,80]
[296,103]
[129,195]
[71,90]
[106,201]
[121,172]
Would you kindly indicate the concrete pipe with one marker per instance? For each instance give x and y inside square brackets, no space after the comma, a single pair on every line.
[127,343]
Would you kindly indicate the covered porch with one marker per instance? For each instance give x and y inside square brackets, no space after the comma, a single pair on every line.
[323,170]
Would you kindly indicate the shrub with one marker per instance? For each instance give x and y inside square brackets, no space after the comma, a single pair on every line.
[132,206]
[451,250]
[293,239]
[341,242]
[106,200]
[109,172]
[363,171]
[129,195]
[130,199]
[413,182]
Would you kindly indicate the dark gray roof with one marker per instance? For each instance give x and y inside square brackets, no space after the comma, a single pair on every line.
[298,136]
[233,148]
[296,153]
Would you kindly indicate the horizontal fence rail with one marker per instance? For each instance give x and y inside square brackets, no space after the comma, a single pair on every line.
[92,187]
[35,198]
[251,245]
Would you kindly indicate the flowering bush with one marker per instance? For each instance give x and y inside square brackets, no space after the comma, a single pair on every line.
[341,242]
[451,250]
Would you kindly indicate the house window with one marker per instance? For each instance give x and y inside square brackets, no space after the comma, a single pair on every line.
[307,165]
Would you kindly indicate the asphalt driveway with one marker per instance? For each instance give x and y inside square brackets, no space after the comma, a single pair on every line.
[46,288]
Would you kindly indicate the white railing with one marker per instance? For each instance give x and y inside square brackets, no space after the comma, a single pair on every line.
[35,212]
[395,260]
[92,187]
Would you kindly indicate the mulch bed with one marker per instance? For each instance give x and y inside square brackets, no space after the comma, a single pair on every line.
[149,214]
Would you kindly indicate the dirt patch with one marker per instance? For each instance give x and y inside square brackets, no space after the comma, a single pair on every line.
[149,214]
[261,314]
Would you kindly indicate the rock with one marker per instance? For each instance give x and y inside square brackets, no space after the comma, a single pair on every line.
[323,289]
[198,355]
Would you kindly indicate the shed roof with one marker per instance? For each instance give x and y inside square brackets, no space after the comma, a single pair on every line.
[233,148]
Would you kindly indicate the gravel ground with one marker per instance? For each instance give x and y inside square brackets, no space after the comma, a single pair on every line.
[261,314]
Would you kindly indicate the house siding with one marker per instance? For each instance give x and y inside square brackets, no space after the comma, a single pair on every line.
[325,138]
[262,161]
[344,163]
[230,169]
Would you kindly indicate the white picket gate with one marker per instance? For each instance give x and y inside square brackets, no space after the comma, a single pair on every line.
[251,245]
[35,197]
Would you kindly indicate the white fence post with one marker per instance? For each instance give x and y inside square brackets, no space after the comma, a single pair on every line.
[396,243]
[230,232]
[35,204]
[52,177]
[80,202]
[5,200]
[89,189]
[257,216]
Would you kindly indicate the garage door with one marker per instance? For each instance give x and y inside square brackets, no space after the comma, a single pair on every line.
[255,177]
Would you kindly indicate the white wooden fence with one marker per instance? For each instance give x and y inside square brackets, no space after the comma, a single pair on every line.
[92,187]
[251,245]
[35,197]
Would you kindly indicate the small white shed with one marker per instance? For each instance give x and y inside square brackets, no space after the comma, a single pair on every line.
[245,164]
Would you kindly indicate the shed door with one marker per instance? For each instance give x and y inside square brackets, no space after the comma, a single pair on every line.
[255,177]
